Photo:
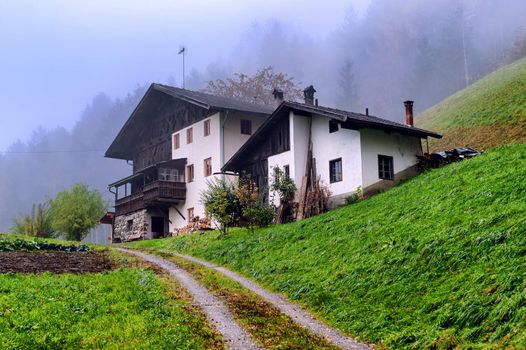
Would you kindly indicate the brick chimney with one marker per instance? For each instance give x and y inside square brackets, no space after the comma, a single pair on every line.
[408,112]
[278,96]
[309,95]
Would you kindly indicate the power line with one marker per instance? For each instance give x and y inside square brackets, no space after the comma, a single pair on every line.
[54,151]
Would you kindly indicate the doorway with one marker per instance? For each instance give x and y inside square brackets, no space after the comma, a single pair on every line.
[157,226]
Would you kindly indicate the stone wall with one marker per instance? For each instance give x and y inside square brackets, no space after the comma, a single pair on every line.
[132,226]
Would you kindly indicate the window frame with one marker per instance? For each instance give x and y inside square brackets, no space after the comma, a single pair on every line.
[244,124]
[206,128]
[176,141]
[333,177]
[190,171]
[334,126]
[381,167]
[207,167]
[191,214]
[189,135]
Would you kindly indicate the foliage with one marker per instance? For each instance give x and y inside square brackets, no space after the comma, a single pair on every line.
[436,260]
[122,309]
[283,185]
[257,88]
[37,224]
[354,197]
[254,212]
[231,204]
[518,48]
[221,203]
[11,245]
[489,113]
[75,212]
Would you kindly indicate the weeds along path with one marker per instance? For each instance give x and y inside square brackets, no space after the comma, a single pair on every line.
[216,312]
[296,313]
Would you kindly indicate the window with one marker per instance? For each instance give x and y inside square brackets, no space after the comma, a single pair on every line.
[176,141]
[189,135]
[333,126]
[286,171]
[207,127]
[207,165]
[190,215]
[246,127]
[385,167]
[335,170]
[190,173]
[129,225]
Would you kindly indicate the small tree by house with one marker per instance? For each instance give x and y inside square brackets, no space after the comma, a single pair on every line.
[285,188]
[75,212]
[221,205]
[236,204]
[254,212]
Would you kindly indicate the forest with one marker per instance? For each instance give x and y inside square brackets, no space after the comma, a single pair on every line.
[396,50]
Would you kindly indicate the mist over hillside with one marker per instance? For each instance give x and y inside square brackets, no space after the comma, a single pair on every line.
[396,50]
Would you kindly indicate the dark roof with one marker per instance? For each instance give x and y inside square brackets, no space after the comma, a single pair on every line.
[209,101]
[125,141]
[358,120]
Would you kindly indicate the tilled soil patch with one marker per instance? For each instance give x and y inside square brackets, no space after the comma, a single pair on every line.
[56,262]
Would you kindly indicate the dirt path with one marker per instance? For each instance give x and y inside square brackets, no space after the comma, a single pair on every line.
[216,312]
[295,312]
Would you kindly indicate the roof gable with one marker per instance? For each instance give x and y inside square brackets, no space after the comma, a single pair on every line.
[356,119]
[148,111]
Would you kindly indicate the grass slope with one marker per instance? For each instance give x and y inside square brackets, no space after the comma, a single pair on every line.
[432,263]
[490,112]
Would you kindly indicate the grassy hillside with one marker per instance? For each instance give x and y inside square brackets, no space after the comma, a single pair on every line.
[435,262]
[488,113]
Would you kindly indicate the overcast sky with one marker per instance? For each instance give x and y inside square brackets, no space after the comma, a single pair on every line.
[56,55]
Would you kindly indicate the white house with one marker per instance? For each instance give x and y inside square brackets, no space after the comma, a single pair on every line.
[348,151]
[177,140]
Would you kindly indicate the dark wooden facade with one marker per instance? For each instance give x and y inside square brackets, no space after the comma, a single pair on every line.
[154,138]
[157,193]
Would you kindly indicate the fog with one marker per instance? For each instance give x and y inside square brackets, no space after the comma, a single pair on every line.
[72,72]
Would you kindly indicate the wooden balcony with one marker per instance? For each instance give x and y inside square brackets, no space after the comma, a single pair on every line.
[153,193]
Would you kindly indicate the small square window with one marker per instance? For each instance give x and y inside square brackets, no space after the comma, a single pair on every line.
[333,126]
[335,170]
[129,225]
[246,127]
[207,165]
[190,173]
[385,167]
[176,141]
[207,127]
[189,135]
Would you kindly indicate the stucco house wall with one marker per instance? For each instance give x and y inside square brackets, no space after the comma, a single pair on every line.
[224,140]
[402,148]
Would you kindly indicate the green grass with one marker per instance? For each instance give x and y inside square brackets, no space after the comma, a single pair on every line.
[488,113]
[437,261]
[123,309]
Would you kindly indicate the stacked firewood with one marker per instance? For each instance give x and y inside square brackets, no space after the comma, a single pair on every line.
[196,225]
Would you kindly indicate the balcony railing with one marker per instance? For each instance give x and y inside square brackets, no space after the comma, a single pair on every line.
[153,193]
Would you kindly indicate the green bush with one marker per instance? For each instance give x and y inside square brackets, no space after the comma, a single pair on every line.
[37,224]
[221,204]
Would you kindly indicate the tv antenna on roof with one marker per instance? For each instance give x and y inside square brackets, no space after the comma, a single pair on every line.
[182,51]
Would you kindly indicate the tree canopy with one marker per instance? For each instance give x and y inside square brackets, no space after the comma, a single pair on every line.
[257,88]
[75,212]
